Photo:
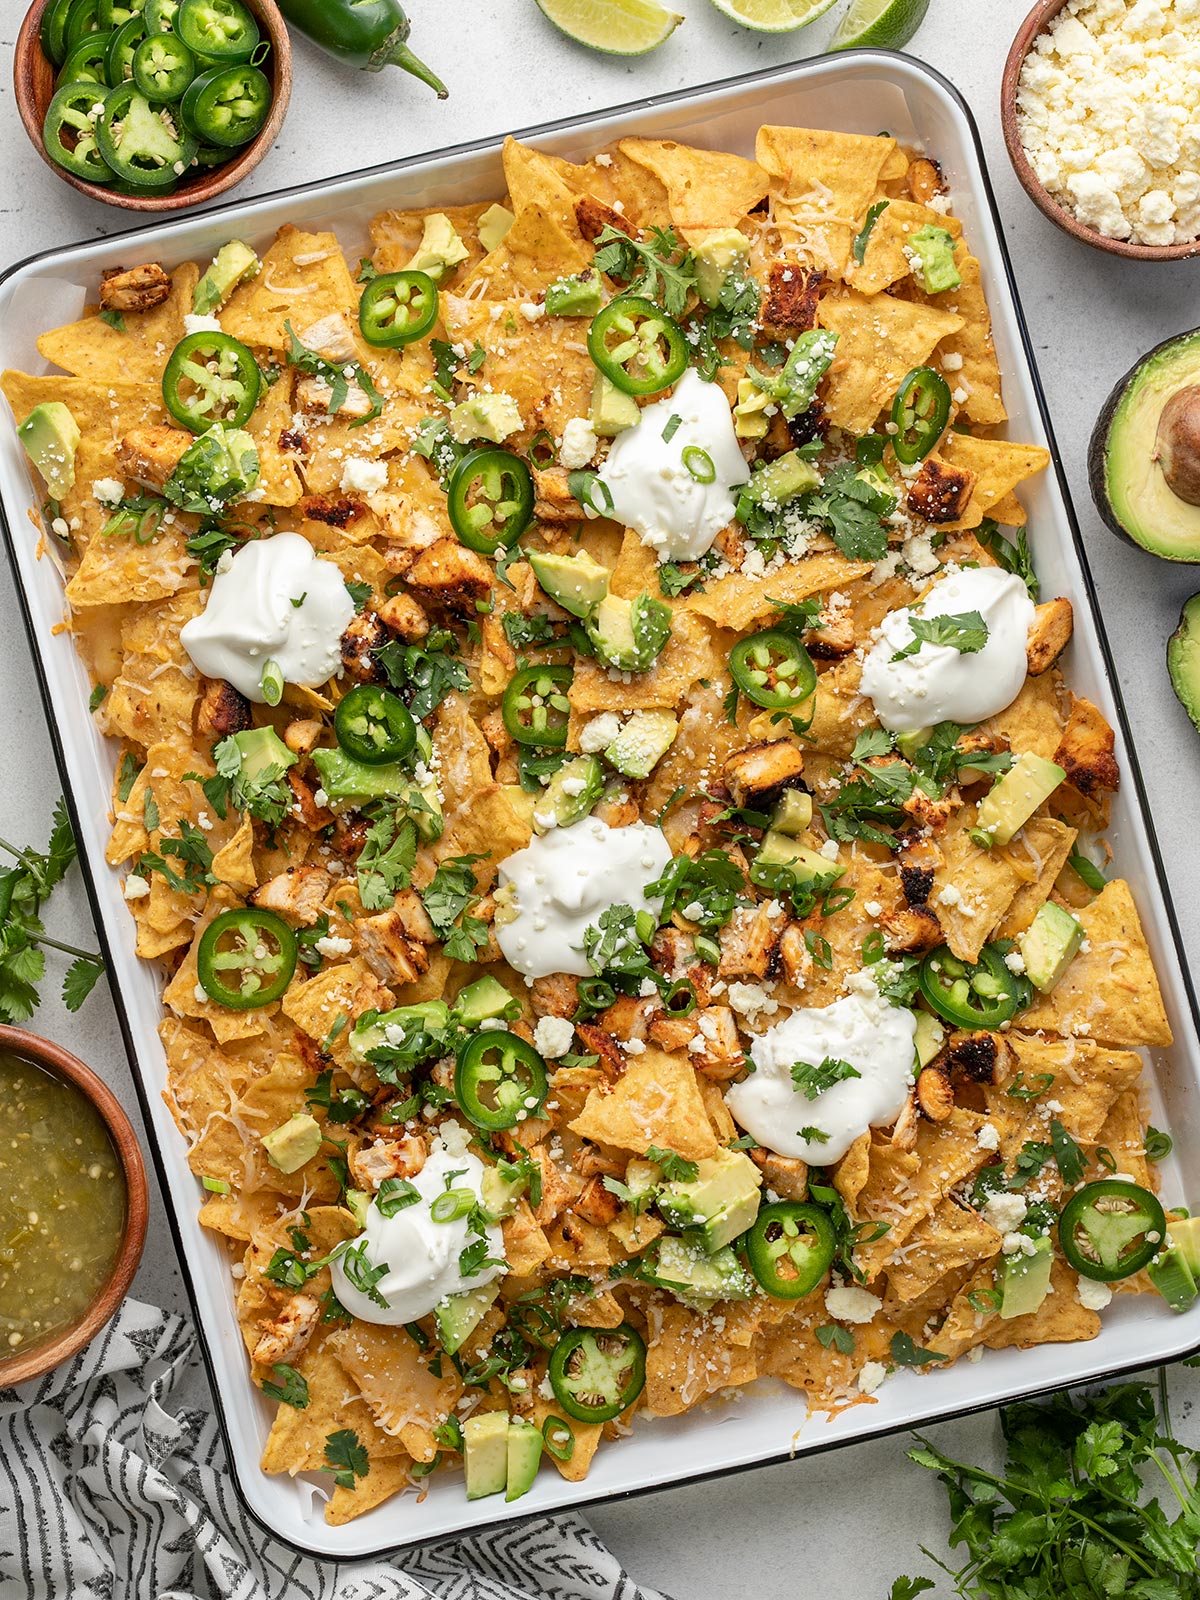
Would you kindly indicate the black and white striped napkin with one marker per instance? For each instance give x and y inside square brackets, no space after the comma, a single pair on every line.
[114,1487]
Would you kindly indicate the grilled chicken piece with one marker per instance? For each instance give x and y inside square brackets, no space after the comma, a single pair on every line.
[1085,751]
[1049,636]
[940,492]
[833,636]
[792,295]
[794,955]
[981,1056]
[919,861]
[930,813]
[784,1174]
[590,1162]
[596,1042]
[555,502]
[911,931]
[404,617]
[303,735]
[297,894]
[222,709]
[330,337]
[414,918]
[935,1094]
[374,1163]
[748,943]
[925,181]
[363,636]
[628,1017]
[137,289]
[722,1057]
[555,996]
[593,216]
[451,575]
[391,953]
[151,454]
[673,1033]
[597,1204]
[334,510]
[558,1189]
[287,1335]
[314,816]
[756,774]
[315,396]
[908,1124]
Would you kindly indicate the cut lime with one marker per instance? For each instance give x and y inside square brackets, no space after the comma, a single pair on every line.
[773,16]
[618,27]
[881,24]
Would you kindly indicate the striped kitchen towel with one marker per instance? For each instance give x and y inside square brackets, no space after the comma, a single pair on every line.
[113,1486]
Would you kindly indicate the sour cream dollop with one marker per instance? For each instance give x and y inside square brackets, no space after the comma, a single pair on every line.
[653,491]
[421,1255]
[563,881]
[276,601]
[874,1037]
[940,683]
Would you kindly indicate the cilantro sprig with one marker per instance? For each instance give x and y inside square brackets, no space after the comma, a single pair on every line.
[964,631]
[450,894]
[24,889]
[661,269]
[339,375]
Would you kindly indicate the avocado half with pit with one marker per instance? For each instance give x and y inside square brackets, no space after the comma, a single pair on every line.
[1144,457]
[1183,658]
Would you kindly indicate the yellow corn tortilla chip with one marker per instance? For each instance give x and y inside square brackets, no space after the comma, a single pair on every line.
[840,710]
[656,1101]
[1035,719]
[304,279]
[587,1438]
[344,991]
[1046,843]
[1087,1080]
[905,1186]
[743,601]
[706,189]
[952,1236]
[394,1379]
[823,184]
[688,655]
[999,466]
[1110,991]
[1060,1319]
[96,350]
[880,340]
[688,1359]
[234,862]
[1123,1132]
[396,235]
[979,374]
[1009,512]
[884,260]
[979,885]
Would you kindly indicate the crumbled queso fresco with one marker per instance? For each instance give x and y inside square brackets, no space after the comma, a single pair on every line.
[1108,110]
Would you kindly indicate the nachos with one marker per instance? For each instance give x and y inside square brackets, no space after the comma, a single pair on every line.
[594,771]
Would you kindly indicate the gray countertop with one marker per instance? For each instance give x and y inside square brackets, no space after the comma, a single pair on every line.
[1090,317]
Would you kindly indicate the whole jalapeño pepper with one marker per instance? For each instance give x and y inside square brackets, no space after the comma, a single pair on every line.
[369,34]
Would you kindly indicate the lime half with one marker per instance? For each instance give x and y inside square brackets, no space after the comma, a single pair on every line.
[773,16]
[617,27]
[882,24]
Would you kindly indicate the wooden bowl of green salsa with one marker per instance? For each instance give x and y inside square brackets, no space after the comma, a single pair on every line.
[73,1205]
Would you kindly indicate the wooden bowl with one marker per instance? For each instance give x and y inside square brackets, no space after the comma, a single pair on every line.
[43,1358]
[1035,23]
[33,81]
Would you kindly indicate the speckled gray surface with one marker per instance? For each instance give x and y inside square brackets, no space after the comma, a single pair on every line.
[844,1523]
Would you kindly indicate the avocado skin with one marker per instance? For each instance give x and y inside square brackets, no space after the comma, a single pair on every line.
[1100,446]
[1183,659]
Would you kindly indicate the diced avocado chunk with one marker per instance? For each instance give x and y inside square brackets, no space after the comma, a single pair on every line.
[490,415]
[1184,1233]
[294,1142]
[348,783]
[934,268]
[486,997]
[440,249]
[493,226]
[719,256]
[1012,800]
[1049,945]
[642,743]
[372,1028]
[611,410]
[234,263]
[629,634]
[780,858]
[793,814]
[358,1202]
[929,1038]
[570,795]
[51,437]
[263,754]
[458,1315]
[696,1278]
[877,480]
[1025,1279]
[1171,1274]
[524,1457]
[642,1177]
[577,296]
[750,419]
[914,739]
[577,583]
[720,1203]
[219,467]
[500,1194]
[485,1453]
[782,480]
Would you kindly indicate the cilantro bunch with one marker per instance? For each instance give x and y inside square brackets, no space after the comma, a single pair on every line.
[24,889]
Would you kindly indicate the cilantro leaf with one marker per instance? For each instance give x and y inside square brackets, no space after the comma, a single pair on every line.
[854,511]
[835,1337]
[907,1354]
[338,375]
[81,978]
[346,1457]
[674,1168]
[290,1390]
[360,593]
[521,632]
[964,631]
[1070,1159]
[813,1081]
[425,673]
[662,268]
[387,859]
[1013,558]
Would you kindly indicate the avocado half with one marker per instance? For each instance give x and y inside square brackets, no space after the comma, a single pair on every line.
[1183,658]
[1126,461]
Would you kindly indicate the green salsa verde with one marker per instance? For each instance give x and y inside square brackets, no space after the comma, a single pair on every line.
[62,1204]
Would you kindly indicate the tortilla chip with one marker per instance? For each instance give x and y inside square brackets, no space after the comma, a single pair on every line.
[393,1377]
[743,601]
[884,260]
[880,340]
[979,374]
[304,279]
[824,182]
[330,1002]
[952,1236]
[96,350]
[688,1359]
[1110,991]
[234,863]
[587,1438]
[386,1476]
[999,467]
[1045,843]
[1035,720]
[656,1101]
[706,189]
[979,886]
[688,656]
[1060,1319]
[904,1187]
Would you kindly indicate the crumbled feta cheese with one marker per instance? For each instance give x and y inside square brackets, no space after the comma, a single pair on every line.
[949,895]
[108,491]
[599,733]
[1005,1212]
[320,798]
[634,1047]
[531,311]
[751,1000]
[871,1376]
[829,849]
[136,887]
[873,908]
[952,361]
[364,477]
[1093,1296]
[579,444]
[988,1137]
[1015,961]
[198,324]
[848,1303]
[553,1036]
[332,946]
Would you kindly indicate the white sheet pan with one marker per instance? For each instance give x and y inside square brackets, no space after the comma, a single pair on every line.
[861,92]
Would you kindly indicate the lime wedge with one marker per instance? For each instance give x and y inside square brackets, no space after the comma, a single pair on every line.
[617,27]
[773,16]
[881,24]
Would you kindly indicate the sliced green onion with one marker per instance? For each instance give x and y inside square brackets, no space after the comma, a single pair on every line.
[216,1185]
[559,1437]
[271,682]
[453,1204]
[700,464]
[543,452]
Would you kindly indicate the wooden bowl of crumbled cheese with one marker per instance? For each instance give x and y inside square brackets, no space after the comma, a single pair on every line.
[1102,122]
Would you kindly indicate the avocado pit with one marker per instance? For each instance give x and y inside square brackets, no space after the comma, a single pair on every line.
[1177,444]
